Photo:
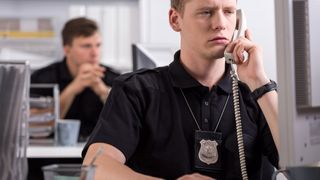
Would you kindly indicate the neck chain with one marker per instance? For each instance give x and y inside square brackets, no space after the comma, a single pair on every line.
[194,118]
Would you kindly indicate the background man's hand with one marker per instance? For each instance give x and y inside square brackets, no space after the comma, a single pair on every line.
[88,75]
[101,89]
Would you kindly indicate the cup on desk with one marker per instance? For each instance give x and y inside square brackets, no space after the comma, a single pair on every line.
[68,172]
[67,132]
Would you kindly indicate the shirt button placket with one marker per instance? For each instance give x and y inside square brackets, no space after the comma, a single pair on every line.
[206,112]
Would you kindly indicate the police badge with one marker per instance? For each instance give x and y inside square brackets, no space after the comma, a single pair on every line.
[208,152]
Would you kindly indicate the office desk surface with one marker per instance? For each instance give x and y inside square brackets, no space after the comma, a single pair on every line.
[55,151]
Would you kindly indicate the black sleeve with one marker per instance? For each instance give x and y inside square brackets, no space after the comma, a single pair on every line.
[46,75]
[119,122]
[110,76]
[41,77]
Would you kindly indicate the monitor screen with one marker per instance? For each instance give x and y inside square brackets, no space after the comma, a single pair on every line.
[298,42]
[141,58]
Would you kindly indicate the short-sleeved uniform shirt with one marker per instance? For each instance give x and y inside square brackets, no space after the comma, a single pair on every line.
[148,120]
[86,105]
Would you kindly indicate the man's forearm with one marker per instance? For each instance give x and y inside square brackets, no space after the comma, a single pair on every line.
[66,98]
[269,105]
[108,165]
[102,91]
[108,168]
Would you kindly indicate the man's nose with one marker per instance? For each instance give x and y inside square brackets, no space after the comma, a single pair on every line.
[95,51]
[219,21]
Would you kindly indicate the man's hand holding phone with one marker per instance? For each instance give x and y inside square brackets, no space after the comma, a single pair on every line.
[251,70]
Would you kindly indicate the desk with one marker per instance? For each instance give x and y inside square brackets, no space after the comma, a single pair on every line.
[39,156]
[55,151]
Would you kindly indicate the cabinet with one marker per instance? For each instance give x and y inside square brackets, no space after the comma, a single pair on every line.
[33,39]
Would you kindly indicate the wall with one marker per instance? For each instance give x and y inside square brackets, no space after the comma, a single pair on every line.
[261,21]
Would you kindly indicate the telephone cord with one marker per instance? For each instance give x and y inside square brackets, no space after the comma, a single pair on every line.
[235,91]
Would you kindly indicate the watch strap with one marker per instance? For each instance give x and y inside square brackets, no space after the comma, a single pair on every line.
[259,92]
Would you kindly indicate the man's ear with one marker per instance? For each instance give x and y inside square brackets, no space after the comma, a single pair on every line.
[174,20]
[66,49]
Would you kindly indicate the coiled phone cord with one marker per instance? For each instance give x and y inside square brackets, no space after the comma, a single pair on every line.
[236,104]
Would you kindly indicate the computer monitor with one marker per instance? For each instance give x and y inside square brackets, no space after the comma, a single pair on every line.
[141,58]
[298,72]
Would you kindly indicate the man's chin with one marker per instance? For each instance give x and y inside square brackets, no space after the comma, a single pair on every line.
[217,54]
[93,62]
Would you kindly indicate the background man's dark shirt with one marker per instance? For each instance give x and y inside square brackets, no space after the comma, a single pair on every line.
[147,119]
[86,105]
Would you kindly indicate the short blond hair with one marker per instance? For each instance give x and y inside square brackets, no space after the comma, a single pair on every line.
[178,4]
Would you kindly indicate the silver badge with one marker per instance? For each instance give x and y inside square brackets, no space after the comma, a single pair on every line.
[208,152]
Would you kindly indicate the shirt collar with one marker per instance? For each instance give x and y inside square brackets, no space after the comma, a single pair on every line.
[182,79]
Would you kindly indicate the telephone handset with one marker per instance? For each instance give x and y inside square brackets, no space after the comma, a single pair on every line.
[241,27]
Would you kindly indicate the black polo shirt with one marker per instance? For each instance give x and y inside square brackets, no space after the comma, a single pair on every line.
[86,105]
[147,118]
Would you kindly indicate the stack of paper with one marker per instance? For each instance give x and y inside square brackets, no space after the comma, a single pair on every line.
[44,107]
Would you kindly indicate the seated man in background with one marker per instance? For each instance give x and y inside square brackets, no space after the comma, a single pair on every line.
[84,83]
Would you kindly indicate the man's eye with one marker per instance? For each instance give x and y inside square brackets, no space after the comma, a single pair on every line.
[207,13]
[86,46]
[229,12]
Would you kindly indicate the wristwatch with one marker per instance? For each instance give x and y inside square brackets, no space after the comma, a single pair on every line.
[259,92]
